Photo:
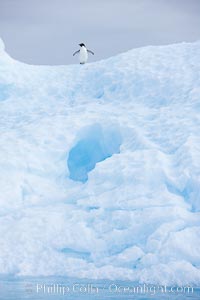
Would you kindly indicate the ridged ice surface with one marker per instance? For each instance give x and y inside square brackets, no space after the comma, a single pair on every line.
[100,167]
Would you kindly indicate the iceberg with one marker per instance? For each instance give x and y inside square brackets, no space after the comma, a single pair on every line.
[100,167]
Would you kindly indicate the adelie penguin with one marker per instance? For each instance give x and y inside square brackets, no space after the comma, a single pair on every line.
[83,53]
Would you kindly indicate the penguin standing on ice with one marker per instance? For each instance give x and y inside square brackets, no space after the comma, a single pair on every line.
[83,53]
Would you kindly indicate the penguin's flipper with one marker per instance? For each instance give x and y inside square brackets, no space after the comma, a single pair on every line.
[90,52]
[76,52]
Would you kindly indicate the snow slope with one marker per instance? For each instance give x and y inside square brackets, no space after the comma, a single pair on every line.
[100,167]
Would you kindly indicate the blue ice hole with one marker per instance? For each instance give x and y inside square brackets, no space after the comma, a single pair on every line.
[95,144]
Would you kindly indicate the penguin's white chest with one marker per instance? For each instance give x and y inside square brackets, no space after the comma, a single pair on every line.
[83,56]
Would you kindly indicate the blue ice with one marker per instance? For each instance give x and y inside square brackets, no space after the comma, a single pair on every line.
[92,148]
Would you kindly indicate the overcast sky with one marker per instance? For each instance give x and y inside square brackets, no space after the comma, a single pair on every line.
[49,31]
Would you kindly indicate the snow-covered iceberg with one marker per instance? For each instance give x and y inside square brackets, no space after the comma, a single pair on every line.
[100,167]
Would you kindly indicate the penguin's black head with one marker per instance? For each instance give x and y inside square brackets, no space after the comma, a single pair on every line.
[82,45]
